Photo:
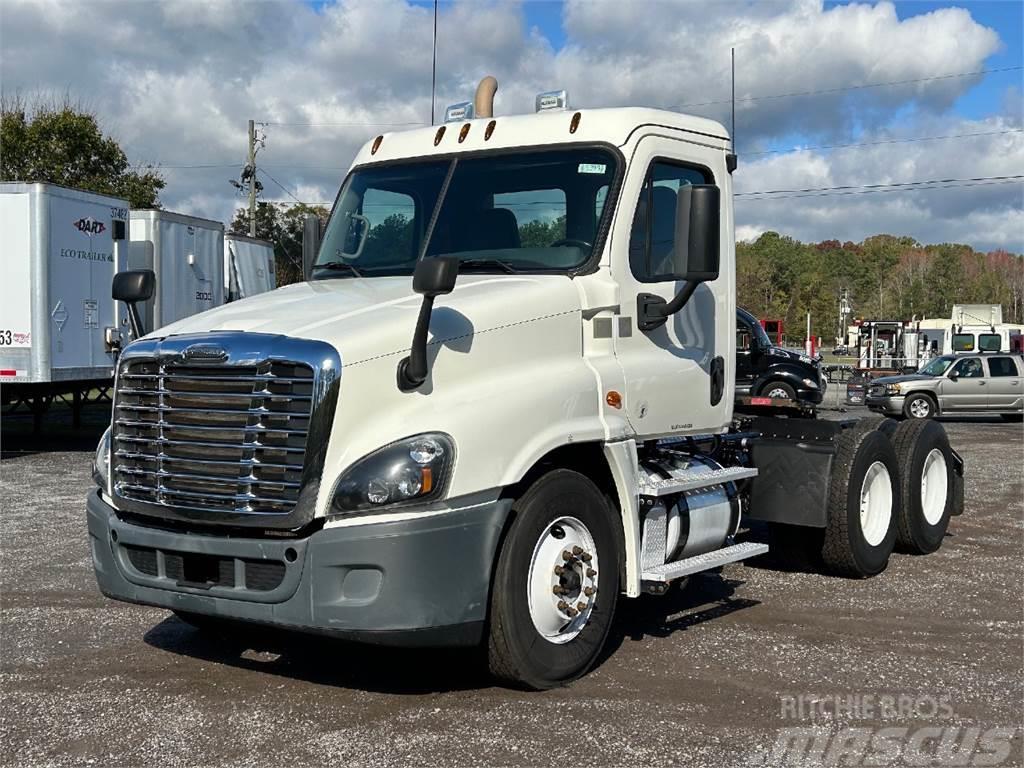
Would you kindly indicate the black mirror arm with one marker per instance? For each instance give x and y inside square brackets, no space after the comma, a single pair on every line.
[134,320]
[652,311]
[412,371]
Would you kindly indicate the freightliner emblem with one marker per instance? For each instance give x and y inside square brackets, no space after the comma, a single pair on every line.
[204,353]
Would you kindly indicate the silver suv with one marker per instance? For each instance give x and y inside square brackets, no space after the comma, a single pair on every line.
[954,384]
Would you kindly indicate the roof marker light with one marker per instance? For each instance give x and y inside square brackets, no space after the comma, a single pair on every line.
[376,144]
[461,111]
[439,135]
[490,129]
[552,100]
[463,133]
[575,122]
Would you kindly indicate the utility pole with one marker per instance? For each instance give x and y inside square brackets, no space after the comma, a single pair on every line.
[252,178]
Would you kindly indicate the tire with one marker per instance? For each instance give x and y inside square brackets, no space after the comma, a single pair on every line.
[926,485]
[528,646]
[919,407]
[883,424]
[856,543]
[782,388]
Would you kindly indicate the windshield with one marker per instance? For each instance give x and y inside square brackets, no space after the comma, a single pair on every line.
[937,366]
[512,212]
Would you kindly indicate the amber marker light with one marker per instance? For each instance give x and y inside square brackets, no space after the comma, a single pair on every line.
[613,398]
[376,145]
[439,135]
[575,122]
[427,479]
[464,133]
[490,129]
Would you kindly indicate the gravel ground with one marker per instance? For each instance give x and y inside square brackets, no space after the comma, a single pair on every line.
[697,678]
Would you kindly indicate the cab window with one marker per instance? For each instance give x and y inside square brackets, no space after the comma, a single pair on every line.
[652,239]
[969,368]
[963,342]
[1002,366]
[989,342]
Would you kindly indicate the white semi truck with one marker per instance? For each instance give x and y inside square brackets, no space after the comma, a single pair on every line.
[501,402]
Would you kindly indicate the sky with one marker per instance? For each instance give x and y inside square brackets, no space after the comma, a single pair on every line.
[925,90]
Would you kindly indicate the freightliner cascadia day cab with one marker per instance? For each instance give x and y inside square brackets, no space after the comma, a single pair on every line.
[501,402]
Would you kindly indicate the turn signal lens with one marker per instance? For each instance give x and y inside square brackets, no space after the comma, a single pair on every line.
[614,399]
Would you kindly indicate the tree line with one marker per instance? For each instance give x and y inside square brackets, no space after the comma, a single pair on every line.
[887,277]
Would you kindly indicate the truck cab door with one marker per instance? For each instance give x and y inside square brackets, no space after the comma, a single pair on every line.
[680,376]
[746,357]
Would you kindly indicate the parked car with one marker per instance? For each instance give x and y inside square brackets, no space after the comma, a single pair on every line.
[989,384]
[765,370]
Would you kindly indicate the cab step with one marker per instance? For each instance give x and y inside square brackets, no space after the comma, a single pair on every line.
[663,574]
[695,480]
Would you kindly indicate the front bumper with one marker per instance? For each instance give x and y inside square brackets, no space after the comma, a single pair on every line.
[422,581]
[890,405]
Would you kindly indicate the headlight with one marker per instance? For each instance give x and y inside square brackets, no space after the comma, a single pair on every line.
[892,389]
[416,470]
[810,383]
[101,461]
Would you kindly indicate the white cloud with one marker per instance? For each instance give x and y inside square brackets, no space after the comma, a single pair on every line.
[176,82]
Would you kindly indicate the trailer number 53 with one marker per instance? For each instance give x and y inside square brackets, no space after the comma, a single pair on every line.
[6,338]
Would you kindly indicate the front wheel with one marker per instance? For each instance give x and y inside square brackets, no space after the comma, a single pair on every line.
[555,585]
[778,390]
[918,407]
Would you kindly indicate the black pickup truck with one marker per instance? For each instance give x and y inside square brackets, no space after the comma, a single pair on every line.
[764,370]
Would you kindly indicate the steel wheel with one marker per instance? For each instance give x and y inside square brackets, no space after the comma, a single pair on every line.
[562,581]
[934,486]
[875,503]
[778,392]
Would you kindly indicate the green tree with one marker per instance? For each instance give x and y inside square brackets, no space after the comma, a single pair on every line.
[282,226]
[60,143]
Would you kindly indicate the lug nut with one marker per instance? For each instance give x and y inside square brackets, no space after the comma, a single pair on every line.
[557,589]
[591,573]
[577,550]
[586,557]
[566,555]
[571,613]
[581,606]
[589,591]
[563,606]
[559,570]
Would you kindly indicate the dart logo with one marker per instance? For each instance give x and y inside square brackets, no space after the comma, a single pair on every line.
[90,226]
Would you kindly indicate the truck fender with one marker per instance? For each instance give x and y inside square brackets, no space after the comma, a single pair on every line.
[783,374]
[622,461]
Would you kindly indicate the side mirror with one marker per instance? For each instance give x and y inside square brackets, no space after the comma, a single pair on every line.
[310,243]
[132,287]
[695,255]
[433,277]
[953,376]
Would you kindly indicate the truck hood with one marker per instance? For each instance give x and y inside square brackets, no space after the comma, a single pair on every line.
[365,318]
[902,379]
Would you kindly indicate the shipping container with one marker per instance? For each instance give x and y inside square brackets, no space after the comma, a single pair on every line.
[56,313]
[188,258]
[248,266]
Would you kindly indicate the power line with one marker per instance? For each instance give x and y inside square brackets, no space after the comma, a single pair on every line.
[873,191]
[876,186]
[883,141]
[352,124]
[840,89]
[283,187]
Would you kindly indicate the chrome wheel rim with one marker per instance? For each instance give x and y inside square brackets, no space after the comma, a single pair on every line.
[561,584]
[934,486]
[920,408]
[875,504]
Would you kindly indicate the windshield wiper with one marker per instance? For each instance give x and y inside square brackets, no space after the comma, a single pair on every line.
[488,264]
[339,265]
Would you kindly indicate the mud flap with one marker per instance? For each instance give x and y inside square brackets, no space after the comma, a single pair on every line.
[958,484]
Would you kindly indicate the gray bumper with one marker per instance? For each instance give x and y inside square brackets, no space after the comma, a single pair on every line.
[890,406]
[413,582]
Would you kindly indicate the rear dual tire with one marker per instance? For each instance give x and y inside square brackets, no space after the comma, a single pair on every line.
[926,485]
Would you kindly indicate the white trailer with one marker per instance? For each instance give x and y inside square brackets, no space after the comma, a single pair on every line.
[57,319]
[248,266]
[188,259]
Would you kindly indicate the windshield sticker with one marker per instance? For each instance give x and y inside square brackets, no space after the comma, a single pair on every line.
[592,168]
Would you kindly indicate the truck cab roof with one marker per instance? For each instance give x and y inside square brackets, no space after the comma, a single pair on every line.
[609,126]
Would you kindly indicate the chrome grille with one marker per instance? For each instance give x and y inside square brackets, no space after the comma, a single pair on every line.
[225,438]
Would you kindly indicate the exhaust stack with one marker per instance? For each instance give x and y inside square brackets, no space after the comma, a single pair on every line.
[483,102]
